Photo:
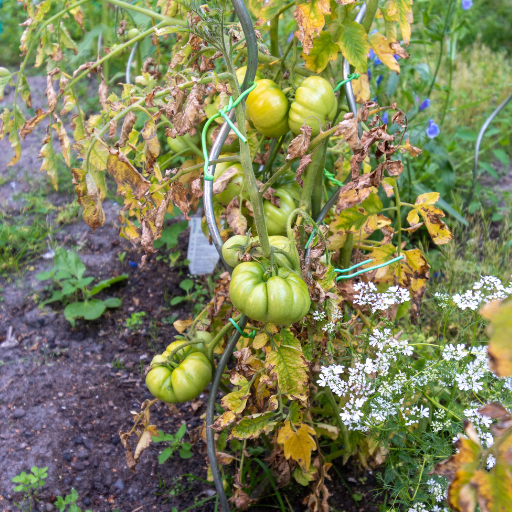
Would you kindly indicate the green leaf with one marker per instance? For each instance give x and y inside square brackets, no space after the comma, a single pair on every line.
[185,453]
[251,427]
[43,276]
[187,284]
[112,302]
[324,50]
[486,167]
[85,281]
[90,310]
[181,431]
[165,455]
[354,45]
[106,283]
[502,156]
[372,204]
[70,262]
[177,300]
[170,235]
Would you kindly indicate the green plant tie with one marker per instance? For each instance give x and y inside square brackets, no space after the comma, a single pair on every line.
[242,333]
[352,76]
[369,269]
[223,112]
[330,176]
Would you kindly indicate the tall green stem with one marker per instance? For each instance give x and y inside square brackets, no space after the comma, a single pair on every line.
[105,33]
[318,188]
[274,36]
[337,415]
[398,216]
[309,181]
[148,12]
[346,251]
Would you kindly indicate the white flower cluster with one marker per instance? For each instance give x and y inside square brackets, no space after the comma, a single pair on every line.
[368,296]
[455,353]
[418,507]
[443,299]
[474,372]
[487,289]
[481,424]
[329,327]
[436,488]
[359,383]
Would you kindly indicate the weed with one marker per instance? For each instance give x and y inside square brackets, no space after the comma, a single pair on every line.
[118,364]
[29,485]
[195,293]
[121,256]
[135,320]
[174,443]
[68,274]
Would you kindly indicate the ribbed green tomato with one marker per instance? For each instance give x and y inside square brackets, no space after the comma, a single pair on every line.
[178,144]
[232,147]
[235,184]
[314,99]
[282,299]
[289,259]
[268,107]
[240,75]
[275,217]
[184,379]
[231,248]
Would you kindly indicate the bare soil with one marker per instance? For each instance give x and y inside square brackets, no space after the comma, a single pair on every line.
[65,393]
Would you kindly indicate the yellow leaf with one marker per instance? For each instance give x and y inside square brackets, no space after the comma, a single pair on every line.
[437,229]
[323,51]
[384,52]
[361,88]
[125,174]
[260,340]
[49,163]
[310,19]
[500,332]
[413,217]
[428,198]
[181,325]
[237,400]
[327,430]
[299,444]
[405,16]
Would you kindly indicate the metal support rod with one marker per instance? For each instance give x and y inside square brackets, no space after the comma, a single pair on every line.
[252,63]
[129,64]
[210,411]
[488,121]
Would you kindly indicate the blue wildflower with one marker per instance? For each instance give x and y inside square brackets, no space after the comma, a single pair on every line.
[290,37]
[379,80]
[385,118]
[132,264]
[371,55]
[467,4]
[369,75]
[432,129]
[396,56]
[377,61]
[424,104]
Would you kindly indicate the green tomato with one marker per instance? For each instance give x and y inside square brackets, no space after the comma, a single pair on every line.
[133,32]
[314,101]
[232,247]
[205,336]
[240,75]
[277,217]
[234,186]
[268,107]
[289,259]
[182,383]
[282,299]
[178,144]
[229,147]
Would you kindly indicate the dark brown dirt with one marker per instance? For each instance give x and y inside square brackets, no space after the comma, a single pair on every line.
[65,393]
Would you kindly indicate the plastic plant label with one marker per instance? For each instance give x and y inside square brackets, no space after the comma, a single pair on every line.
[202,256]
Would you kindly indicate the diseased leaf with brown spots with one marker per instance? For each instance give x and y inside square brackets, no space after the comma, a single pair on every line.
[361,88]
[310,18]
[179,197]
[193,113]
[251,427]
[437,229]
[299,145]
[407,146]
[235,219]
[298,443]
[405,16]
[89,196]
[103,93]
[50,93]
[304,162]
[220,184]
[348,130]
[125,174]
[29,125]
[151,144]
[14,140]
[58,126]
[395,167]
[324,50]
[237,399]
[383,50]
[128,124]
[49,163]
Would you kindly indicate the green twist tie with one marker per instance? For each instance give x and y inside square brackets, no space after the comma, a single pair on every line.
[223,112]
[242,333]
[330,176]
[352,76]
[369,269]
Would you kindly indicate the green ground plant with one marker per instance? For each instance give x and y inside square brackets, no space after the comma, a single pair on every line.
[69,283]
[135,321]
[175,444]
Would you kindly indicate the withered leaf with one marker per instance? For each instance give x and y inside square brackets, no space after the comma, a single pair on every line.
[197,188]
[128,123]
[179,197]
[29,125]
[220,184]
[348,130]
[304,162]
[50,93]
[125,174]
[151,144]
[103,93]
[235,219]
[299,145]
[395,167]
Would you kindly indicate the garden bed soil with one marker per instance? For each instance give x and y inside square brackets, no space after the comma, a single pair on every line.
[65,393]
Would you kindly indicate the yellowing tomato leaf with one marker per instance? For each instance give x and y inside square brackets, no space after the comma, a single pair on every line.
[323,51]
[354,45]
[361,88]
[49,163]
[310,19]
[237,400]
[125,174]
[383,50]
[298,444]
[405,16]
[251,427]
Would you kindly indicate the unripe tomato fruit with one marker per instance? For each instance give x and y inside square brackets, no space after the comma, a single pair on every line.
[231,247]
[178,144]
[282,299]
[240,75]
[234,187]
[182,383]
[314,99]
[133,32]
[268,109]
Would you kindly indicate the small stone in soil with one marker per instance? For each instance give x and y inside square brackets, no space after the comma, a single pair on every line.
[78,440]
[78,466]
[115,440]
[87,501]
[87,443]
[18,413]
[27,433]
[119,484]
[68,480]
[82,454]
[66,456]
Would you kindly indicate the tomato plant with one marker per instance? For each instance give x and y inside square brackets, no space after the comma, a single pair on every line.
[304,197]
